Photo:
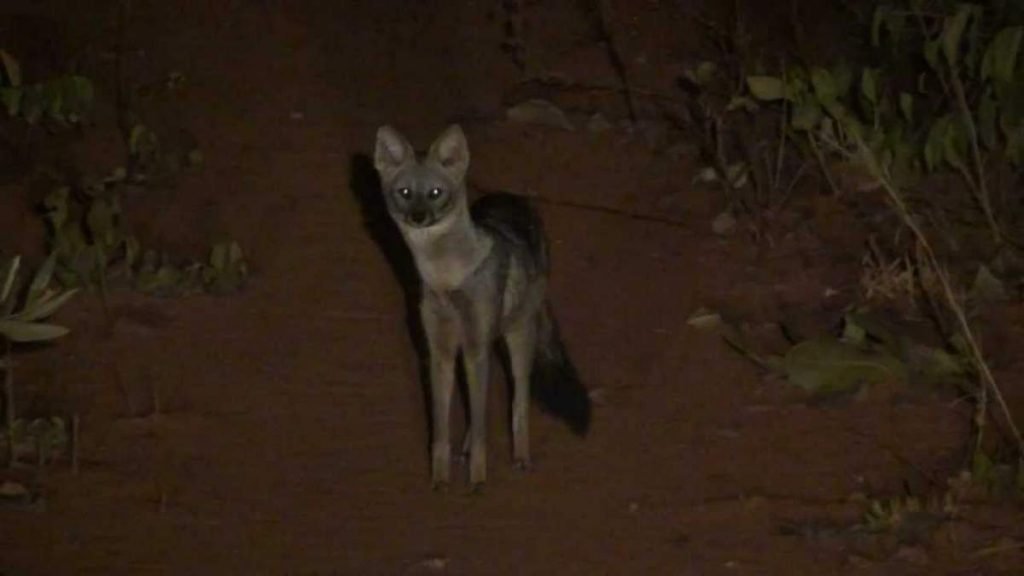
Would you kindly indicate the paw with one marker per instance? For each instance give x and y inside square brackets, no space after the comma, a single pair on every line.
[439,479]
[476,488]
[522,464]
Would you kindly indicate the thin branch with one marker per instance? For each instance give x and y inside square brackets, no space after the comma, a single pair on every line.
[988,380]
[607,30]
[9,412]
[981,191]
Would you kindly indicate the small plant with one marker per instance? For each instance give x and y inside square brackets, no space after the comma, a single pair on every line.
[224,272]
[749,156]
[963,113]
[40,439]
[94,248]
[746,157]
[88,237]
[62,101]
[21,321]
[21,318]
[909,520]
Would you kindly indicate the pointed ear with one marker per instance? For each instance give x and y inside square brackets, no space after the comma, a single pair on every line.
[393,152]
[451,152]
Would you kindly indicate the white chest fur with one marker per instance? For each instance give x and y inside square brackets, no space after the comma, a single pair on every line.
[447,253]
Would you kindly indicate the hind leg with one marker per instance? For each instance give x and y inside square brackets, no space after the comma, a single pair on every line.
[521,342]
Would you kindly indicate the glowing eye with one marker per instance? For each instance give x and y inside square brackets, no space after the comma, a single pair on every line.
[404,192]
[435,193]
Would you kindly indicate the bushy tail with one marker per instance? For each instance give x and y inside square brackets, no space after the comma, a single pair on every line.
[554,383]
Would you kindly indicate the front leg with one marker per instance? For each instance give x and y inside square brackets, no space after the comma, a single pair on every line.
[477,378]
[478,310]
[442,332]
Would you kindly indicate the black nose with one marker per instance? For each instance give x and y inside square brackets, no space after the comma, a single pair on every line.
[417,217]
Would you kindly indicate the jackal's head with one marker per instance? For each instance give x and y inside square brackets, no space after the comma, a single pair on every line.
[422,193]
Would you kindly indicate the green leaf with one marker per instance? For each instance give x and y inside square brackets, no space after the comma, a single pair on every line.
[744,103]
[880,17]
[952,34]
[735,174]
[56,204]
[829,366]
[705,73]
[766,88]
[806,116]
[235,255]
[824,85]
[946,142]
[1015,146]
[195,155]
[888,20]
[18,331]
[33,103]
[987,288]
[1000,58]
[907,106]
[988,121]
[53,101]
[981,467]
[796,86]
[165,280]
[102,221]
[955,144]
[45,307]
[227,269]
[79,93]
[931,53]
[1009,98]
[10,97]
[842,75]
[936,366]
[734,338]
[41,280]
[869,85]
[11,69]
[219,257]
[10,273]
[853,332]
[972,59]
[142,141]
[869,326]
[132,249]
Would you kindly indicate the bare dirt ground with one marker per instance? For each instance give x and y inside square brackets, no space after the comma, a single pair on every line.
[291,434]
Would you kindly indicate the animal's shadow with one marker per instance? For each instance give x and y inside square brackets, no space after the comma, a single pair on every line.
[365,186]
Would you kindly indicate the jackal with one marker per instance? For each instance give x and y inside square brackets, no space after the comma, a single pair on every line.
[484,272]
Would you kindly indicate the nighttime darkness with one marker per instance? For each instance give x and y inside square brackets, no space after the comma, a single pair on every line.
[511,287]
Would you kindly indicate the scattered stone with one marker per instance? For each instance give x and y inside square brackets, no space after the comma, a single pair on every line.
[987,288]
[13,490]
[541,113]
[433,565]
[14,495]
[705,319]
[913,555]
[724,224]
[598,124]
